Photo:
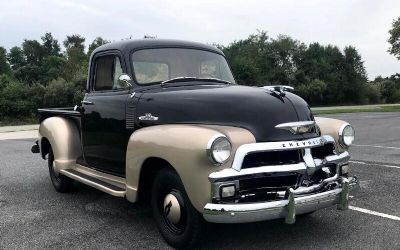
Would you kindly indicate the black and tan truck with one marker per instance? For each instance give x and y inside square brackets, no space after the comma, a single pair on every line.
[164,121]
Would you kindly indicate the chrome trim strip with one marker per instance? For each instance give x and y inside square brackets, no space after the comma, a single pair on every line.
[93,184]
[245,149]
[230,172]
[294,126]
[339,159]
[279,88]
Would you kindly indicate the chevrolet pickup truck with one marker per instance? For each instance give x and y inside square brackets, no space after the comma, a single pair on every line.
[163,121]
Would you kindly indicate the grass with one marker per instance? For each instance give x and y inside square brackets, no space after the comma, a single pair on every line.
[9,121]
[372,108]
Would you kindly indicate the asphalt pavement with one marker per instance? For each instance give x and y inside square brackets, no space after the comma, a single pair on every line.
[34,216]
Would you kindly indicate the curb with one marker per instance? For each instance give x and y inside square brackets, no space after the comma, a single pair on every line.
[7,129]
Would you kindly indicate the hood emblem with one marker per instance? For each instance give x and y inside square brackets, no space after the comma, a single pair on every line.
[297,127]
[148,117]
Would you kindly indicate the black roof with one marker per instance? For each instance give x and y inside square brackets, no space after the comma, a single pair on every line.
[127,46]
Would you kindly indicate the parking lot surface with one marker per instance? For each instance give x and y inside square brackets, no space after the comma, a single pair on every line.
[34,216]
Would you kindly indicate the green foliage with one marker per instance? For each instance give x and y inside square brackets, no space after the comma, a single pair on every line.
[37,74]
[16,58]
[389,88]
[313,92]
[4,66]
[95,44]
[322,74]
[51,47]
[394,38]
[59,93]
[20,100]
[33,51]
[75,41]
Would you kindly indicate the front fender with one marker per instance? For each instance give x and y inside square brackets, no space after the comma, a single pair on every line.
[329,126]
[63,136]
[184,148]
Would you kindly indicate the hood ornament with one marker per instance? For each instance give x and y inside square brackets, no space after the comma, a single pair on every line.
[297,127]
[148,117]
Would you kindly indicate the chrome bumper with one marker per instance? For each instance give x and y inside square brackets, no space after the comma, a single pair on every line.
[295,204]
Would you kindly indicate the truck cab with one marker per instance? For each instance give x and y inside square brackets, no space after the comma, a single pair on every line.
[165,121]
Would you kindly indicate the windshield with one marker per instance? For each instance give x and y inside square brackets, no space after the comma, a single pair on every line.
[158,65]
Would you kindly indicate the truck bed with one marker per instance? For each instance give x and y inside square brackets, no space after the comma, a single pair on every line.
[68,112]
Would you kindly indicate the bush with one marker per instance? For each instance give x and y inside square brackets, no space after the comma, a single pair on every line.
[19,100]
[59,93]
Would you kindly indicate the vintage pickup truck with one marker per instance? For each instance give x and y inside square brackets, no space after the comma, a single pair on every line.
[164,121]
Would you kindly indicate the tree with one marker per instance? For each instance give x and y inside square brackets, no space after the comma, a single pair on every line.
[51,47]
[284,53]
[33,51]
[355,76]
[76,58]
[394,39]
[75,41]
[95,44]
[4,66]
[52,67]
[16,58]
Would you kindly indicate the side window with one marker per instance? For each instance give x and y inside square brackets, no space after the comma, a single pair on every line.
[107,70]
[117,73]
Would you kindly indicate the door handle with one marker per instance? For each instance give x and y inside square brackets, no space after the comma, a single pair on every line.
[87,102]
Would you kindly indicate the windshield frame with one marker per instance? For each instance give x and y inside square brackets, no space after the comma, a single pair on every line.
[172,47]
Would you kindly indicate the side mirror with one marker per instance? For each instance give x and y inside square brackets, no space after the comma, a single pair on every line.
[125,81]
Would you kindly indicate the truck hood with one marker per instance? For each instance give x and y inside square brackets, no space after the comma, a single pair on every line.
[255,109]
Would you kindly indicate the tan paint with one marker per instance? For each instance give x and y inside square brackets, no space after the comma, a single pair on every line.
[184,148]
[329,126]
[64,138]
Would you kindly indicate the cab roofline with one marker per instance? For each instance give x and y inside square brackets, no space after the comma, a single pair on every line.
[128,46]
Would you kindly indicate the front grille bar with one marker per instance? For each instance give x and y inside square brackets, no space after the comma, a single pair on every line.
[245,149]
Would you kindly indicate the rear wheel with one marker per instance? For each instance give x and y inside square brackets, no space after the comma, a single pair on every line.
[61,183]
[179,222]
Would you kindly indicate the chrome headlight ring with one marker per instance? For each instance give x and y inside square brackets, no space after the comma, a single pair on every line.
[219,149]
[346,135]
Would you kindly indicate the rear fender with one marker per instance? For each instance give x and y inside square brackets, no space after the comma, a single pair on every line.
[63,136]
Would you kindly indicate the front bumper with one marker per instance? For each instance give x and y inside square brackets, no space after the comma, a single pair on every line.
[289,200]
[295,204]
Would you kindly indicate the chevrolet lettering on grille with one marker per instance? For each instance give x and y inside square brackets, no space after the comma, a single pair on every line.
[303,143]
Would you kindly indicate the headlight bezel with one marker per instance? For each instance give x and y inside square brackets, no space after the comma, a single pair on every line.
[341,135]
[211,145]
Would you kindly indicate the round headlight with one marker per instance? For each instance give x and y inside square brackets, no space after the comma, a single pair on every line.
[219,149]
[346,135]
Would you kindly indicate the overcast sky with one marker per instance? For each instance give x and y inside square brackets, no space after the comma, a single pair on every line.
[361,23]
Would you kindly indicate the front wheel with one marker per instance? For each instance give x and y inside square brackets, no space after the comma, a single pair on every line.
[179,222]
[61,183]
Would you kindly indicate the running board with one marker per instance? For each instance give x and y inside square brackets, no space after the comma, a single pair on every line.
[94,182]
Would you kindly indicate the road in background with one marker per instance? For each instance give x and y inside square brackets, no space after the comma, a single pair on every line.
[34,216]
[377,136]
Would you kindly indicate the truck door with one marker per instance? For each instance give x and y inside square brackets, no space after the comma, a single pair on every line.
[104,133]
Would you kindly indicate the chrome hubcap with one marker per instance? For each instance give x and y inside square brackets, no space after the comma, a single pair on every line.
[172,209]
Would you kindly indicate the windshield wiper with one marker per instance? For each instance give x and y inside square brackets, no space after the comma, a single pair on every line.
[192,79]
